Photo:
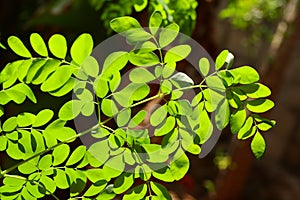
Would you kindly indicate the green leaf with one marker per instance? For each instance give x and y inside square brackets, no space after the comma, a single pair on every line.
[100,87]
[62,133]
[160,191]
[255,90]
[109,107]
[165,127]
[58,46]
[196,100]
[260,105]
[8,75]
[3,142]
[137,119]
[143,59]
[82,48]
[37,141]
[95,175]
[65,89]
[122,24]
[132,92]
[23,69]
[57,79]
[237,120]
[258,145]
[115,81]
[61,180]
[168,35]
[43,117]
[141,75]
[48,183]
[221,59]
[158,115]
[94,150]
[123,117]
[166,87]
[107,193]
[60,154]
[168,69]
[88,109]
[114,166]
[179,165]
[123,183]
[45,162]
[95,188]
[245,75]
[18,47]
[16,96]
[29,167]
[35,190]
[34,69]
[10,124]
[1,114]
[204,66]
[50,66]
[145,47]
[2,46]
[246,129]
[114,62]
[222,114]
[181,80]
[14,181]
[206,127]
[25,119]
[70,110]
[140,5]
[90,66]
[25,89]
[177,53]
[215,83]
[77,155]
[130,28]
[155,22]
[128,157]
[84,95]
[155,154]
[38,44]
[137,192]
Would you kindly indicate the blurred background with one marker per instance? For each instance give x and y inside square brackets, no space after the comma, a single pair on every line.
[262,34]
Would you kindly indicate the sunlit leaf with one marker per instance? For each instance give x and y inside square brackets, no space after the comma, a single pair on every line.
[60,154]
[82,48]
[260,105]
[258,145]
[177,53]
[18,47]
[204,66]
[38,44]
[141,75]
[221,59]
[58,46]
[168,35]
[155,22]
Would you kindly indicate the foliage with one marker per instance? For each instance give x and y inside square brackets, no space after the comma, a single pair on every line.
[243,14]
[182,12]
[118,156]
